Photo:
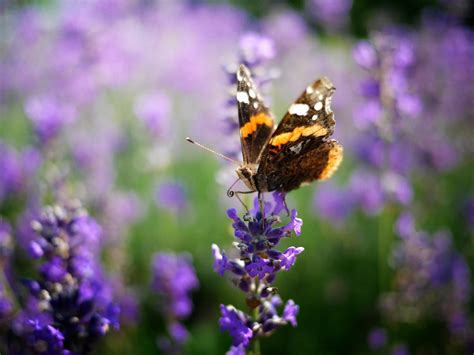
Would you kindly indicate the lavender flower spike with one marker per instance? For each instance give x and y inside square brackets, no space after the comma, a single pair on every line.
[68,307]
[255,270]
[173,278]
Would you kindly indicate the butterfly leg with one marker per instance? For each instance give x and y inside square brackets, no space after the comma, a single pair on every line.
[261,204]
[286,207]
[231,193]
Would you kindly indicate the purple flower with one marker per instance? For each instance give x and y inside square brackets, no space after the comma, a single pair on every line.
[289,257]
[6,244]
[154,110]
[290,312]
[236,323]
[256,268]
[332,14]
[365,55]
[256,49]
[173,278]
[178,332]
[16,170]
[48,116]
[431,277]
[276,26]
[67,308]
[236,350]
[377,338]
[172,196]
[334,203]
[220,260]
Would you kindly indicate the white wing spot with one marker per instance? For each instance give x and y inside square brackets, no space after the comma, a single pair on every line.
[298,109]
[314,118]
[309,90]
[255,104]
[242,96]
[320,97]
[297,148]
[252,94]
[318,106]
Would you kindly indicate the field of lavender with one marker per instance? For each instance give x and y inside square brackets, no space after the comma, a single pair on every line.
[118,237]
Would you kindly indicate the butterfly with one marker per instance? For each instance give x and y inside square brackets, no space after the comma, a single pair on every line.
[299,150]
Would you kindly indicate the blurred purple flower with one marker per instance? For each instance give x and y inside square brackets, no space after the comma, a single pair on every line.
[256,49]
[48,116]
[365,55]
[432,280]
[276,27]
[16,170]
[171,196]
[334,203]
[368,191]
[154,110]
[377,338]
[6,243]
[331,14]
[173,279]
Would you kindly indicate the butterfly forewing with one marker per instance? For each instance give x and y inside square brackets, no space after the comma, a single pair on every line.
[255,120]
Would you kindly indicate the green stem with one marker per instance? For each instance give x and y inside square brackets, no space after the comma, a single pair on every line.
[256,341]
[256,346]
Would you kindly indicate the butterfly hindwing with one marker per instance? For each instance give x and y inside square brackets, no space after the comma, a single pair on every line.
[255,120]
[299,150]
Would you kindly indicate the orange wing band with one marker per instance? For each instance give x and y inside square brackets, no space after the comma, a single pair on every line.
[315,130]
[256,120]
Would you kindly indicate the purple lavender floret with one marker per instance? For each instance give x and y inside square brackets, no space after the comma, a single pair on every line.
[173,279]
[237,323]
[255,270]
[69,306]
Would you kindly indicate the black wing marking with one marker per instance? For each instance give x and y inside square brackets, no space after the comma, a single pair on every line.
[255,120]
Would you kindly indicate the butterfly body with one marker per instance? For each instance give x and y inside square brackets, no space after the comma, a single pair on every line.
[299,150]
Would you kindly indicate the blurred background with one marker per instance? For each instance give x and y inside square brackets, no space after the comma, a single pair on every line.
[96,98]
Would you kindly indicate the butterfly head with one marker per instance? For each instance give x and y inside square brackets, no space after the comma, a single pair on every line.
[247,173]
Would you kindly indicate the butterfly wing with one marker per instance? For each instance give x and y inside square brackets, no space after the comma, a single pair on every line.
[256,122]
[299,150]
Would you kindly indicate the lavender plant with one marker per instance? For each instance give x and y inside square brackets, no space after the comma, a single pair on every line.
[254,271]
[396,110]
[68,306]
[432,281]
[173,278]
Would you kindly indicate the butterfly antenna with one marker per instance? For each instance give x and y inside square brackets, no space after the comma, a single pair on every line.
[213,151]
